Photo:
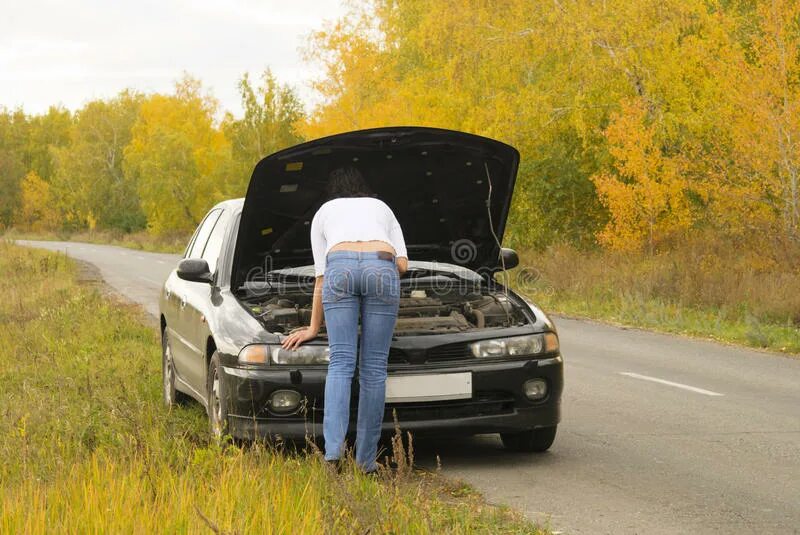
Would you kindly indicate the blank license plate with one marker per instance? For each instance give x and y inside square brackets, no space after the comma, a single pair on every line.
[434,387]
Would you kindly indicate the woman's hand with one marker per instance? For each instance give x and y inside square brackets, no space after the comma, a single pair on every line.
[298,337]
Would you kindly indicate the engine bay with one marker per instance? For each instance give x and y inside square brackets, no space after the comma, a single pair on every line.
[422,311]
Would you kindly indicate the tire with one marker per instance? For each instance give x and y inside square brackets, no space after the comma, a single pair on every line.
[534,440]
[217,404]
[171,395]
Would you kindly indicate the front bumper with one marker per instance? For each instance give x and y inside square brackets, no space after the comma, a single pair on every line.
[498,404]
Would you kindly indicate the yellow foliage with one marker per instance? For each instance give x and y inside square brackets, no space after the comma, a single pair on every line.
[179,158]
[637,121]
[553,80]
[757,182]
[88,180]
[645,192]
[38,210]
[679,113]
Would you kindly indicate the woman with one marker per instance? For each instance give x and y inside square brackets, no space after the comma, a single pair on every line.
[359,253]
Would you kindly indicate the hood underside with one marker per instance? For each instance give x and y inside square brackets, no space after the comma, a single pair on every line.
[437,182]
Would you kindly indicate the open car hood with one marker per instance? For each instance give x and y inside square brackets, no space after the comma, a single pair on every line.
[437,182]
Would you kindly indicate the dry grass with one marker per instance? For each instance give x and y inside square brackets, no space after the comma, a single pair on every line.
[722,290]
[87,446]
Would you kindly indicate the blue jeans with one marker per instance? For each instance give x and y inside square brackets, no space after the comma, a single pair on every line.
[358,285]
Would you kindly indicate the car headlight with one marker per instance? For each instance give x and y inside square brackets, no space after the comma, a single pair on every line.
[275,354]
[532,344]
[302,355]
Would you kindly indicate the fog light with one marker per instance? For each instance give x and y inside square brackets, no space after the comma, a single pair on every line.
[535,389]
[284,401]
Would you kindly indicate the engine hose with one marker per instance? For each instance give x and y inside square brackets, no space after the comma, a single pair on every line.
[480,319]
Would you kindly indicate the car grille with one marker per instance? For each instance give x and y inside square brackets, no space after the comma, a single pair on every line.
[446,353]
[449,352]
[481,404]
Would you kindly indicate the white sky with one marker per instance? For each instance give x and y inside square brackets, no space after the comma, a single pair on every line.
[71,51]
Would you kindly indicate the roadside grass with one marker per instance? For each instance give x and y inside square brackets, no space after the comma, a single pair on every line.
[88,447]
[721,291]
[141,241]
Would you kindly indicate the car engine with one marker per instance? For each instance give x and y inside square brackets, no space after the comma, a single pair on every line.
[422,311]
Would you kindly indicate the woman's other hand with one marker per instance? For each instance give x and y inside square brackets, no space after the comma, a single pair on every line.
[298,337]
[402,264]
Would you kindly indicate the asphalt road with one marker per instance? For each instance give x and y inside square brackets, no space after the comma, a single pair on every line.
[660,433]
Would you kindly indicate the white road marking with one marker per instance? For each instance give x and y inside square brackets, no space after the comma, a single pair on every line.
[123,253]
[670,383]
[150,280]
[160,261]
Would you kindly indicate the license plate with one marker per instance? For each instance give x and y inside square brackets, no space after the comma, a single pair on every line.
[432,387]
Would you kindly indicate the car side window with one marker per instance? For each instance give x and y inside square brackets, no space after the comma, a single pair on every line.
[196,251]
[214,246]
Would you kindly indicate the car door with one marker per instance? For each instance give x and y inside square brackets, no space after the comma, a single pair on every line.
[199,297]
[184,349]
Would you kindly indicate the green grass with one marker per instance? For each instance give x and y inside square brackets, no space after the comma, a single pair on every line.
[669,317]
[717,295]
[88,447]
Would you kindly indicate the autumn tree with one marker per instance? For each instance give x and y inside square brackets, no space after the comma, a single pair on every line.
[89,179]
[272,115]
[46,132]
[755,173]
[26,144]
[178,158]
[38,211]
[13,140]
[646,190]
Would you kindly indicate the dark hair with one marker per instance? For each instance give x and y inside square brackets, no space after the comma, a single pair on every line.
[347,182]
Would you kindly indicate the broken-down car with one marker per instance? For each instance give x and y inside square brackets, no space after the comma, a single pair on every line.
[468,356]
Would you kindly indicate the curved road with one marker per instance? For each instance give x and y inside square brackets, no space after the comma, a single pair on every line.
[660,434]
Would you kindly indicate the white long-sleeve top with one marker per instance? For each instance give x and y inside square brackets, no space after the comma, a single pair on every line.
[353,219]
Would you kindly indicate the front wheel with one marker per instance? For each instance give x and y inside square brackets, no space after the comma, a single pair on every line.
[534,440]
[217,405]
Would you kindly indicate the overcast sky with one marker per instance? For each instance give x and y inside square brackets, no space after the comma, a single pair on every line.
[71,51]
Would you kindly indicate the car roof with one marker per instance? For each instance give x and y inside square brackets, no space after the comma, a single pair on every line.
[230,204]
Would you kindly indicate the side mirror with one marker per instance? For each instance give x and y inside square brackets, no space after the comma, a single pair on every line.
[510,258]
[194,270]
